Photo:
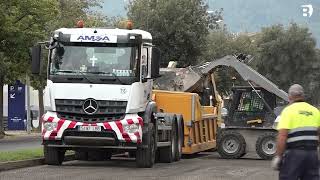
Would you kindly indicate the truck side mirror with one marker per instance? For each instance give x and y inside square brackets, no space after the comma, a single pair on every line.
[35,53]
[155,63]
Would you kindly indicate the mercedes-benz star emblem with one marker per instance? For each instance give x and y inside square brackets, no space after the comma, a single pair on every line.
[123,90]
[90,106]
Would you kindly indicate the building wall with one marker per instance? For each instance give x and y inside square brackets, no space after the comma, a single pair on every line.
[33,100]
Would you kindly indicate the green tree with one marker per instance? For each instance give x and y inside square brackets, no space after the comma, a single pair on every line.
[22,24]
[70,11]
[287,56]
[179,27]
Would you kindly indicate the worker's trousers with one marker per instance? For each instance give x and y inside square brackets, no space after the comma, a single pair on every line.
[299,165]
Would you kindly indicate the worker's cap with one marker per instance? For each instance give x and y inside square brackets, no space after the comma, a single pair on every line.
[296,90]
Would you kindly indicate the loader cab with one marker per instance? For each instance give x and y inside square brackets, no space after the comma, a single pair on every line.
[248,107]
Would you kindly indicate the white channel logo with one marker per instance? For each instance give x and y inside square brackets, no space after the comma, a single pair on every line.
[307,10]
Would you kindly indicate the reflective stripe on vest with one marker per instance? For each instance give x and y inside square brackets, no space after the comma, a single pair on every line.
[303,136]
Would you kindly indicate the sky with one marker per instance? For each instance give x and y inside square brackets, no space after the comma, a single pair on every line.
[114,7]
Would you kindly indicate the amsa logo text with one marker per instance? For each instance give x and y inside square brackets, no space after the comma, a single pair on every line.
[94,38]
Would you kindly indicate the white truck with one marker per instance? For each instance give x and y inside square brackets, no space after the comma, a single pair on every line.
[99,90]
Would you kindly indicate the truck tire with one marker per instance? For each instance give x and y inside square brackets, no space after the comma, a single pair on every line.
[266,145]
[145,156]
[180,138]
[231,144]
[53,156]
[81,155]
[168,154]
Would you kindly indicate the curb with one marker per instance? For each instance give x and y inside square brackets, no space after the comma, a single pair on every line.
[5,166]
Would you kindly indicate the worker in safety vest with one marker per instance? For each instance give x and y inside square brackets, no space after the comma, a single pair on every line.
[297,142]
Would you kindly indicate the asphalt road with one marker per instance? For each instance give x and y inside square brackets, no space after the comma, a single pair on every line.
[17,143]
[203,166]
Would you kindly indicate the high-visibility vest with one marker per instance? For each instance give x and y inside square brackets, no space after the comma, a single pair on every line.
[302,121]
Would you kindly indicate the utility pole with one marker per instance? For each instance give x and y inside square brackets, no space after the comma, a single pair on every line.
[1,108]
[28,104]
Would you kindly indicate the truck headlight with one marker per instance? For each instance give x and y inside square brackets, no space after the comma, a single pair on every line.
[50,126]
[131,128]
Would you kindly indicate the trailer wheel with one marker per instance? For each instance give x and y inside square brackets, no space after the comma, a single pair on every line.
[231,145]
[53,156]
[179,136]
[81,155]
[168,154]
[145,157]
[266,145]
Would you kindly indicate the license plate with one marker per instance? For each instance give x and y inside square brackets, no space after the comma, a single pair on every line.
[90,128]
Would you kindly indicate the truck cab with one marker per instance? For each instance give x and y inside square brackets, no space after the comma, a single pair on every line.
[99,85]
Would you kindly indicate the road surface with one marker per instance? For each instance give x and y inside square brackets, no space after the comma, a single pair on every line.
[203,166]
[18,143]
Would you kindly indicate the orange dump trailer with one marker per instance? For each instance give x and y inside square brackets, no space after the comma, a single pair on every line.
[200,122]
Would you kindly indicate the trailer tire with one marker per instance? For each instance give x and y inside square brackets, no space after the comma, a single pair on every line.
[231,144]
[266,145]
[168,154]
[179,136]
[81,155]
[53,156]
[145,157]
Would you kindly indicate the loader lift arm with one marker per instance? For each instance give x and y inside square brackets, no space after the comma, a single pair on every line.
[247,73]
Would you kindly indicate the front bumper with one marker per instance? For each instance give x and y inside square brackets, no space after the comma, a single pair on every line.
[67,131]
[96,147]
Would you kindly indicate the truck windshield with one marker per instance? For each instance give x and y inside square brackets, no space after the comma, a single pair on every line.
[119,61]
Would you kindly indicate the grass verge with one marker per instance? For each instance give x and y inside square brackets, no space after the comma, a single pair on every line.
[24,154]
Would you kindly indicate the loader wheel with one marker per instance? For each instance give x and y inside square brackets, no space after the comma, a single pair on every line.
[81,155]
[53,156]
[145,156]
[231,145]
[168,154]
[266,145]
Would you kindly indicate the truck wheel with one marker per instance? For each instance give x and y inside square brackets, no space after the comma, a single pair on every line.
[81,155]
[266,145]
[53,156]
[231,145]
[168,154]
[179,139]
[145,157]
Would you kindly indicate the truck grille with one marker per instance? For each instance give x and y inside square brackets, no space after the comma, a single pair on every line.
[107,110]
[76,137]
[75,132]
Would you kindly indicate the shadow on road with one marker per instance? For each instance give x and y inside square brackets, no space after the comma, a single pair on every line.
[114,162]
